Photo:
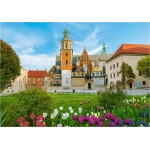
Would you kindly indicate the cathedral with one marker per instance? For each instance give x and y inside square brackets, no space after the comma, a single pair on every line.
[78,70]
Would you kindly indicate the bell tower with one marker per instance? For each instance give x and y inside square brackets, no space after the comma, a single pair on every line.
[66,59]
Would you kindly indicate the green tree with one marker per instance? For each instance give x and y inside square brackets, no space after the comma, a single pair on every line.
[9,65]
[126,72]
[143,66]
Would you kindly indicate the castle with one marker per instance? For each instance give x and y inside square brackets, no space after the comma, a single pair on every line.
[78,70]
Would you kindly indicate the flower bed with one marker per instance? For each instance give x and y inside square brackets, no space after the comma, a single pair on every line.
[134,113]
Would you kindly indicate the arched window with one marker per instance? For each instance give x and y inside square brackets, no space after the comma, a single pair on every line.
[67,81]
[66,62]
[66,54]
[66,45]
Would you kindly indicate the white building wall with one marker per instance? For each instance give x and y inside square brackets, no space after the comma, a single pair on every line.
[98,81]
[18,84]
[131,60]
[66,78]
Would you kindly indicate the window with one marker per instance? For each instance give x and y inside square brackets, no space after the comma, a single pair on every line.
[93,74]
[66,54]
[110,75]
[97,73]
[117,65]
[66,45]
[113,66]
[82,74]
[73,74]
[67,81]
[114,75]
[38,79]
[117,74]
[40,82]
[110,67]
[144,82]
[85,68]
[140,73]
[66,62]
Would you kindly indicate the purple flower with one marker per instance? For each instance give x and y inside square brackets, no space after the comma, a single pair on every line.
[100,124]
[112,124]
[146,104]
[111,117]
[74,117]
[59,125]
[81,119]
[101,119]
[107,115]
[127,121]
[117,121]
[91,120]
[86,118]
[144,114]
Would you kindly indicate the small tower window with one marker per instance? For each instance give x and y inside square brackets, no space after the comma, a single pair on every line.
[66,54]
[66,62]
[70,45]
[66,45]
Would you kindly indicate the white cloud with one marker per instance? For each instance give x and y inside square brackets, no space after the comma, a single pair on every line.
[23,43]
[94,51]
[41,61]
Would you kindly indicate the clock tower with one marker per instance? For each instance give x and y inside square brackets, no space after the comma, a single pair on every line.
[66,59]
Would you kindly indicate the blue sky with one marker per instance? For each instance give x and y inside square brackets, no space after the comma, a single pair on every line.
[38,43]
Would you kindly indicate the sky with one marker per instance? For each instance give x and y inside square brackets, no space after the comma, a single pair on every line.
[38,43]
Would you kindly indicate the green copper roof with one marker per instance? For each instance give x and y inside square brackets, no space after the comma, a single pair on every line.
[104,49]
[66,34]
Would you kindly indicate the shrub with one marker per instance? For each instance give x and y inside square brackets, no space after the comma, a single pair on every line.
[30,101]
[110,99]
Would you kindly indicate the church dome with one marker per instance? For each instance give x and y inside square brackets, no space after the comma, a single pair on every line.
[96,69]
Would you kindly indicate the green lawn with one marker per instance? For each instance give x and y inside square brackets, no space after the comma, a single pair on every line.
[65,100]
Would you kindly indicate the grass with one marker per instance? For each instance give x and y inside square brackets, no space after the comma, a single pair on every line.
[65,100]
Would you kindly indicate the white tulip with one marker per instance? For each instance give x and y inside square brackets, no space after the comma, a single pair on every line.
[67,114]
[71,111]
[52,116]
[75,113]
[87,114]
[70,108]
[80,109]
[64,116]
[61,108]
[92,113]
[45,115]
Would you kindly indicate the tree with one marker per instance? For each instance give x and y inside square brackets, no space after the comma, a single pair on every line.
[143,66]
[127,72]
[9,65]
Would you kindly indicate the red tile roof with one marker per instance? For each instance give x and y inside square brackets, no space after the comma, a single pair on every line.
[132,49]
[36,73]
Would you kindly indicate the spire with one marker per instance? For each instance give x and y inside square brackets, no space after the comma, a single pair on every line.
[66,34]
[104,48]
[84,48]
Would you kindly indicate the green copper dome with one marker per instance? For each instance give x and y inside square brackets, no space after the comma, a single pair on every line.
[66,35]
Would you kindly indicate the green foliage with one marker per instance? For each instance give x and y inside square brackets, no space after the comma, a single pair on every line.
[2,117]
[126,72]
[111,99]
[143,66]
[30,101]
[10,65]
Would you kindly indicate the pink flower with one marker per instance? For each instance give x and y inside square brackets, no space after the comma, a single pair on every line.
[80,103]
[25,124]
[42,124]
[146,104]
[20,121]
[32,116]
[74,117]
[88,101]
[40,118]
